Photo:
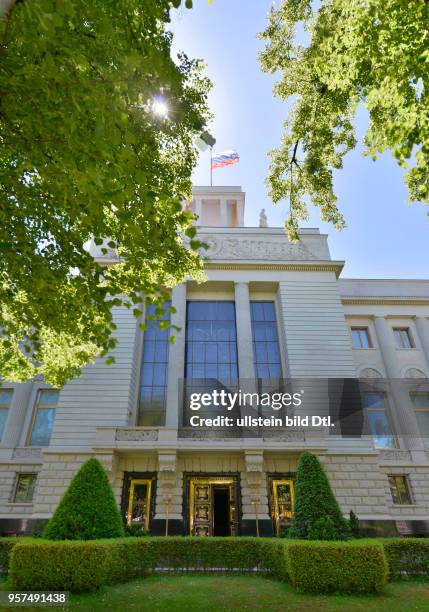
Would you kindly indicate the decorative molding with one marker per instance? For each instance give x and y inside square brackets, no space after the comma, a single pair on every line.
[395,455]
[27,453]
[136,435]
[166,461]
[209,433]
[370,373]
[254,462]
[288,436]
[335,266]
[385,301]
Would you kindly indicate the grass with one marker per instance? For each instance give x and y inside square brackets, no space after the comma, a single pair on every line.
[227,593]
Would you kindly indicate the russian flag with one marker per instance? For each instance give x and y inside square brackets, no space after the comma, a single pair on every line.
[226,158]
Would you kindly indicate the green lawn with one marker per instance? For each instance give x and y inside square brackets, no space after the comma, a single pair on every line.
[228,593]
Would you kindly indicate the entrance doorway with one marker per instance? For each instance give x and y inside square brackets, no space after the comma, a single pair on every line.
[283,502]
[221,519]
[212,506]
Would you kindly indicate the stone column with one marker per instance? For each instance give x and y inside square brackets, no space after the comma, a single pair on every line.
[422,325]
[387,346]
[168,494]
[223,213]
[17,413]
[240,212]
[255,495]
[402,408]
[176,360]
[246,367]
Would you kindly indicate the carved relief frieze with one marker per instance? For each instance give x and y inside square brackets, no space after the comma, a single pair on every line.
[136,435]
[280,249]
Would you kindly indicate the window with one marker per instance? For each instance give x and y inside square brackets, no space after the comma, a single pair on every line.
[211,341]
[360,337]
[400,490]
[421,407]
[378,420]
[24,489]
[402,337]
[43,417]
[211,351]
[153,377]
[5,400]
[266,349]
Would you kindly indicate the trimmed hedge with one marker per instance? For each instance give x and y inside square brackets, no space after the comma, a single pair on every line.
[311,566]
[407,557]
[59,566]
[348,567]
[6,546]
[84,566]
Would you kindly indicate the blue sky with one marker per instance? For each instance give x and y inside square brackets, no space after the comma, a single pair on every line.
[385,237]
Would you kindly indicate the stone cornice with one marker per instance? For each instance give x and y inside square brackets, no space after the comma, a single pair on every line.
[302,266]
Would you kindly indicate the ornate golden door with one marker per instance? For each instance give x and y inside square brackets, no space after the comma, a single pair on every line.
[202,493]
[283,503]
[139,502]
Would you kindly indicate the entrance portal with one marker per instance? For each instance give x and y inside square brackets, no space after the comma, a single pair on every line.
[212,506]
[221,520]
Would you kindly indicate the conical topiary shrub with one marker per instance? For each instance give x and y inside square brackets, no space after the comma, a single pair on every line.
[316,508]
[87,510]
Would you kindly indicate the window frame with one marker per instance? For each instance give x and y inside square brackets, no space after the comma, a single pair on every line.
[386,409]
[150,325]
[39,392]
[424,410]
[7,409]
[277,340]
[407,331]
[361,328]
[406,480]
[18,477]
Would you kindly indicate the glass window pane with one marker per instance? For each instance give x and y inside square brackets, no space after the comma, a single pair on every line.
[356,339]
[3,417]
[225,311]
[198,371]
[269,311]
[160,375]
[257,310]
[259,331]
[423,423]
[161,352]
[25,488]
[399,490]
[380,429]
[402,337]
[420,400]
[266,347]
[5,397]
[48,397]
[148,350]
[211,352]
[153,376]
[373,400]
[42,427]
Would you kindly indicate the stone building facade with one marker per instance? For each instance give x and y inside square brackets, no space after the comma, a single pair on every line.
[270,308]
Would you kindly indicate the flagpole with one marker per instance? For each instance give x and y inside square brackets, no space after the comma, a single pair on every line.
[211,167]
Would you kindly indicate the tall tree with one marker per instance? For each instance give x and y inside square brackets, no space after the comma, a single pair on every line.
[97,124]
[357,51]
